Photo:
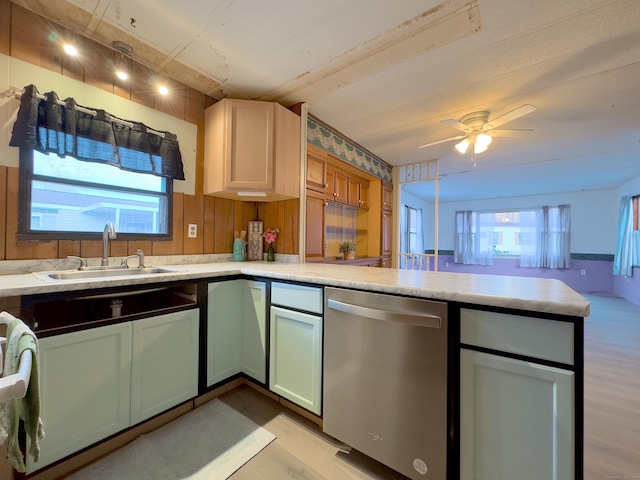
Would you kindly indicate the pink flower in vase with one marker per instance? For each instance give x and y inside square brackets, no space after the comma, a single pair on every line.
[271,235]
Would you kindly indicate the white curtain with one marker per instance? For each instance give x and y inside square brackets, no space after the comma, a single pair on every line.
[403,236]
[557,239]
[628,244]
[420,233]
[546,237]
[473,238]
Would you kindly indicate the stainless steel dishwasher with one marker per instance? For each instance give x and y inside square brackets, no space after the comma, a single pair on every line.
[385,379]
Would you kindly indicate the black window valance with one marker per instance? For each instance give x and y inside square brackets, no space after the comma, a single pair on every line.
[46,124]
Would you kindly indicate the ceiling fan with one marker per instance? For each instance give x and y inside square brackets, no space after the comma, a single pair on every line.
[479,131]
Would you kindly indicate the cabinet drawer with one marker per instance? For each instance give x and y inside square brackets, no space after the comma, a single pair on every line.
[534,337]
[297,296]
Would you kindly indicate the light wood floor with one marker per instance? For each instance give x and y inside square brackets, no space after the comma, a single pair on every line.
[612,413]
[301,451]
[612,390]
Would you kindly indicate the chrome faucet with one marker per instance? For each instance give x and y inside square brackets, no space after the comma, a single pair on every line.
[109,232]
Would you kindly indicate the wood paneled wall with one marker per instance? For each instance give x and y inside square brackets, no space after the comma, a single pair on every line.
[27,36]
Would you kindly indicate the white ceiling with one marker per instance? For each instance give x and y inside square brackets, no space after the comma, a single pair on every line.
[386,73]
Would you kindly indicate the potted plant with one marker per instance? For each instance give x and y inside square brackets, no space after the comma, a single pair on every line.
[348,249]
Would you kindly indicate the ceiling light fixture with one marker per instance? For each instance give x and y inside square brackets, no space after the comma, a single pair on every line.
[480,143]
[463,146]
[164,91]
[70,49]
[121,70]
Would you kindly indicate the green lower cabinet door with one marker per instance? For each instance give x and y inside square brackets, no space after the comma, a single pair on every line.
[516,419]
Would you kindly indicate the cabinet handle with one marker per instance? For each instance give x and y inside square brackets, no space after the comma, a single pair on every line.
[326,185]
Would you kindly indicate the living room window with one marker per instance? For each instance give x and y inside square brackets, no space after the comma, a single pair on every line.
[539,236]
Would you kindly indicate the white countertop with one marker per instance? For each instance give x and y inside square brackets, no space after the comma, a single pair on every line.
[522,293]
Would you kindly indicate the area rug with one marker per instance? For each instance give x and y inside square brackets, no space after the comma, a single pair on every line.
[208,443]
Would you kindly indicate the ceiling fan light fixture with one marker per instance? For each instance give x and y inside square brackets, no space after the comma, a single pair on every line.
[463,146]
[479,148]
[484,140]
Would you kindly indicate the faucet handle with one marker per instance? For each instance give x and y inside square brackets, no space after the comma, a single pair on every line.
[83,262]
[140,255]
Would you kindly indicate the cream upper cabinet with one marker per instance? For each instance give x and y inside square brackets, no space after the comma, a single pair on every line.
[252,151]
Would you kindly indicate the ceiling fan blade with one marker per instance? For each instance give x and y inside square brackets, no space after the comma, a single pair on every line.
[442,141]
[510,116]
[511,133]
[456,124]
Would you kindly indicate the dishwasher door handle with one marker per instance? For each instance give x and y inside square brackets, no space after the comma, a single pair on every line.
[416,319]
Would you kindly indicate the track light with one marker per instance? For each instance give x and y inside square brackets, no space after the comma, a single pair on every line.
[121,69]
[70,49]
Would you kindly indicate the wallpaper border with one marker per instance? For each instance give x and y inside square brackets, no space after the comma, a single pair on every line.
[323,136]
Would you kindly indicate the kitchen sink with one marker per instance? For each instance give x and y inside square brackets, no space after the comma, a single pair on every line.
[105,273]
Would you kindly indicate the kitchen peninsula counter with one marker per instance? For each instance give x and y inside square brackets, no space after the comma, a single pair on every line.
[521,293]
[511,345]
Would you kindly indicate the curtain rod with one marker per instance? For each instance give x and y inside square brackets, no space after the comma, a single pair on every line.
[93,113]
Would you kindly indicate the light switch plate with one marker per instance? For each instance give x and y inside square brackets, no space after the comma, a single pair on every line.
[192,232]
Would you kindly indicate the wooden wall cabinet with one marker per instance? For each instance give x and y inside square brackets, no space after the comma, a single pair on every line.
[337,185]
[252,151]
[358,193]
[316,169]
[316,205]
[387,197]
[333,185]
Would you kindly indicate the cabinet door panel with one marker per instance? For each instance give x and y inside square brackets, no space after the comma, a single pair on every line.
[387,197]
[353,192]
[364,195]
[516,419]
[224,332]
[315,227]
[255,335]
[165,363]
[295,367]
[341,186]
[250,160]
[316,169]
[84,389]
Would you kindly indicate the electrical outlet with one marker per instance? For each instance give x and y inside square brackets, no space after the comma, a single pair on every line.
[583,272]
[192,231]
